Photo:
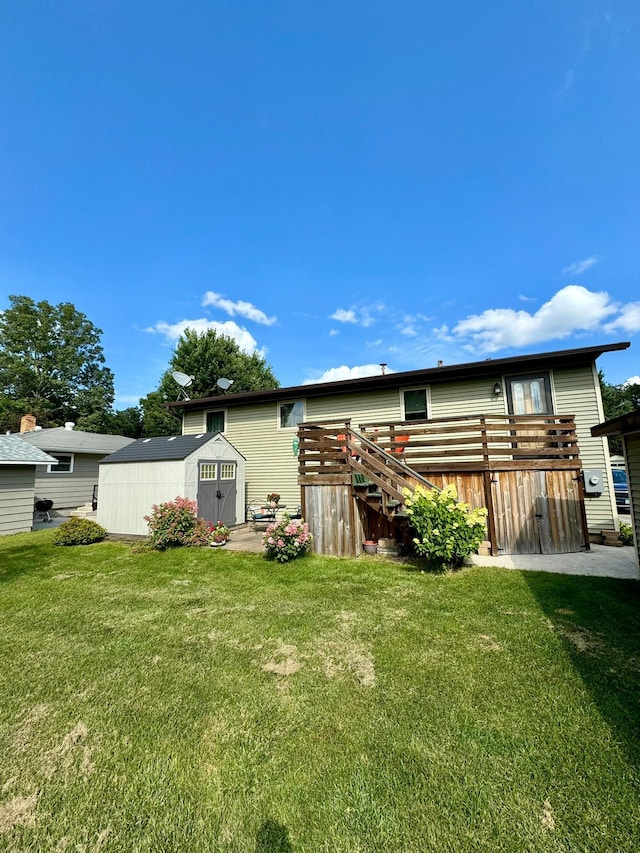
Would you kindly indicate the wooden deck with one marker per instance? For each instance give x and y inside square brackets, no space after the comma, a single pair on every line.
[525,470]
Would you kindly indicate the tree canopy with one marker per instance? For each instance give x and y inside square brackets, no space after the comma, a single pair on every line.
[51,364]
[207,357]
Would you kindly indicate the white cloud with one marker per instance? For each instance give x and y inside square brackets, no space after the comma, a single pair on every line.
[335,374]
[524,298]
[344,316]
[172,331]
[632,380]
[242,309]
[579,267]
[334,332]
[572,309]
[628,321]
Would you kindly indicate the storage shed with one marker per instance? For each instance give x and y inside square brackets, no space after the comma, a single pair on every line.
[206,468]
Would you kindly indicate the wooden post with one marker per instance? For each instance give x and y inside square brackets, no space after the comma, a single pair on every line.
[491,518]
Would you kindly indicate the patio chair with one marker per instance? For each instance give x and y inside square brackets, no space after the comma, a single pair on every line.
[260,515]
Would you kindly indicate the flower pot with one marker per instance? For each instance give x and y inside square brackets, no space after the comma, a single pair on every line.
[218,544]
[370,547]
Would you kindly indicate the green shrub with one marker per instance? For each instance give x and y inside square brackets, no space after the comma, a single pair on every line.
[78,531]
[176,523]
[626,533]
[447,531]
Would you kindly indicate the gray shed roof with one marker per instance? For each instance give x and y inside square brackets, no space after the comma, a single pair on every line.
[62,440]
[14,451]
[161,448]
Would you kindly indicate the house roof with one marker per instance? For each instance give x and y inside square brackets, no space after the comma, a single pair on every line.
[493,367]
[619,426]
[14,451]
[162,448]
[62,440]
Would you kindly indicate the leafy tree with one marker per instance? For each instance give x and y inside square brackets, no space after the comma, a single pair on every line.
[618,400]
[51,364]
[207,357]
[122,422]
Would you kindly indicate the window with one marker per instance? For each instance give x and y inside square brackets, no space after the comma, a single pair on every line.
[227,471]
[291,414]
[208,471]
[215,421]
[64,466]
[529,395]
[415,404]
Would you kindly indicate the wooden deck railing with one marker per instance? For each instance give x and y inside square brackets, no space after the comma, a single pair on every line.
[478,442]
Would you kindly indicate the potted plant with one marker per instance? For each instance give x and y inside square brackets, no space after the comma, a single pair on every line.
[219,535]
[273,498]
[370,547]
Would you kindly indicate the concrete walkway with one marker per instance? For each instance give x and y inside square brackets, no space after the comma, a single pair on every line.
[601,561]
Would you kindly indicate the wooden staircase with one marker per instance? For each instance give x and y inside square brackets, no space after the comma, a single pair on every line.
[335,453]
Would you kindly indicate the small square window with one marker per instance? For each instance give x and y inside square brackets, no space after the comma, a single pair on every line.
[291,414]
[415,404]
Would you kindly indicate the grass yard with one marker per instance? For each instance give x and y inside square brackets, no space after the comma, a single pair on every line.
[205,700]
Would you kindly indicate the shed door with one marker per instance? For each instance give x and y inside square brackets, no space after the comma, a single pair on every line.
[217,491]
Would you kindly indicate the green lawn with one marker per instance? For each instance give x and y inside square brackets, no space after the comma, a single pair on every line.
[205,700]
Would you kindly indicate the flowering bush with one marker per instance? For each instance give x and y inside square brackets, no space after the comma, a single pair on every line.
[447,531]
[273,497]
[286,539]
[175,523]
[219,532]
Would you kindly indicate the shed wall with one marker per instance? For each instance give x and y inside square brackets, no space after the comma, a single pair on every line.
[128,491]
[632,453]
[16,498]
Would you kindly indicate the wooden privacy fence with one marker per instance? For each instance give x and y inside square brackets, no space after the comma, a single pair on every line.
[525,469]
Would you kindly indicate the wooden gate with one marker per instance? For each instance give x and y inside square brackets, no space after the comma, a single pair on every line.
[537,512]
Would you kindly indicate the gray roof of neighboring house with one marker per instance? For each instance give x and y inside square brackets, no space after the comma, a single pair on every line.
[14,451]
[162,448]
[62,440]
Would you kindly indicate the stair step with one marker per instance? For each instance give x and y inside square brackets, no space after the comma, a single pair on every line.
[375,495]
[361,481]
[401,514]
[392,504]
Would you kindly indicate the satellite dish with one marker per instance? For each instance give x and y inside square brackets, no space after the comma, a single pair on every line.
[224,384]
[183,381]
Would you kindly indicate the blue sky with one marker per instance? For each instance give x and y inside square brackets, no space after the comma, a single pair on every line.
[334,184]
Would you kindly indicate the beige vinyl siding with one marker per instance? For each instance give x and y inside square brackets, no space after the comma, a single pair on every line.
[632,455]
[16,498]
[475,397]
[193,423]
[69,491]
[577,392]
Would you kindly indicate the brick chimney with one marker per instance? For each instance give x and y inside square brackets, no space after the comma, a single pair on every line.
[27,423]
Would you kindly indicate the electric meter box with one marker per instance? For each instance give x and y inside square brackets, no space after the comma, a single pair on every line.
[593,482]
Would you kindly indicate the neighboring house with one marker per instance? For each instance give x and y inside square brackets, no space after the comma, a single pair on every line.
[18,465]
[70,483]
[205,468]
[265,425]
[628,427]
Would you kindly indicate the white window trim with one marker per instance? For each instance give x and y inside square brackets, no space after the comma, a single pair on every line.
[53,469]
[284,403]
[426,389]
